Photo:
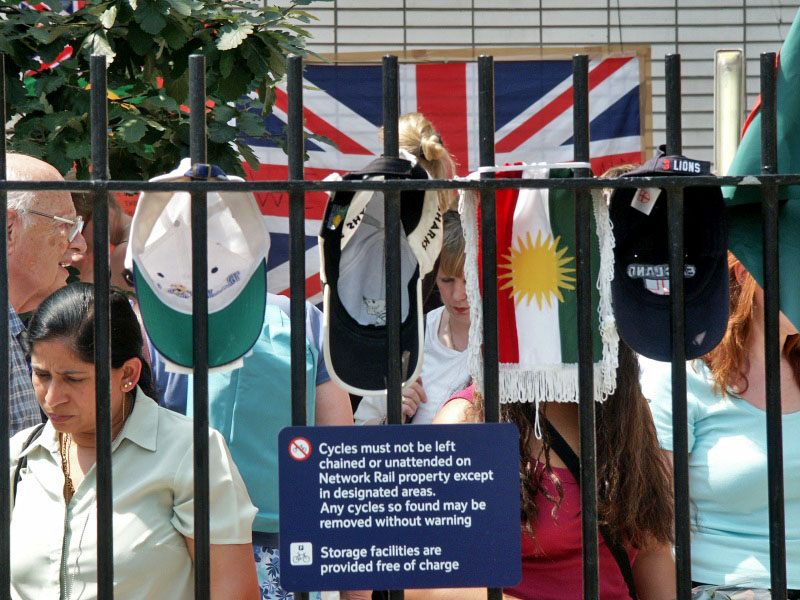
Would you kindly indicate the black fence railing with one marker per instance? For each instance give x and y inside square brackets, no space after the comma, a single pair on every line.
[297,187]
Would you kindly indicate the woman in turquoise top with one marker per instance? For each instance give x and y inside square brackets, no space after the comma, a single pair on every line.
[726,405]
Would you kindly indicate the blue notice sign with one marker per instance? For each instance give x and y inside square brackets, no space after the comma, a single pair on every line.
[399,506]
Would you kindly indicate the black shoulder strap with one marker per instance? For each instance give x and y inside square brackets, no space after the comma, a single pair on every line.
[23,461]
[568,456]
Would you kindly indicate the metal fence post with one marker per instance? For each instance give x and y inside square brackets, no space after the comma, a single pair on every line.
[488,252]
[297,238]
[102,331]
[677,331]
[197,138]
[583,263]
[772,349]
[394,376]
[297,247]
[488,206]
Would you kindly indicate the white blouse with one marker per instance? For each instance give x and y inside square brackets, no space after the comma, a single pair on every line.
[54,547]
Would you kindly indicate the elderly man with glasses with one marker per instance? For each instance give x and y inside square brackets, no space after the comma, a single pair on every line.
[44,237]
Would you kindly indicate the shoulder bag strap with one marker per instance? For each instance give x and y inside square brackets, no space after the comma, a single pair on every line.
[23,461]
[568,456]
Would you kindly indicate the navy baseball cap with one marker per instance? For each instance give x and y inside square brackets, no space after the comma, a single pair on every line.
[640,288]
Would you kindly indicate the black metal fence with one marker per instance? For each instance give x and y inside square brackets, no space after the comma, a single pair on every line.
[296,186]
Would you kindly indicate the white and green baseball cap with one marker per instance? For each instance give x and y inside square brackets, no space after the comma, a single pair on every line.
[160,258]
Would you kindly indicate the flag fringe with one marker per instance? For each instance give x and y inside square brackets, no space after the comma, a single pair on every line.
[550,384]
[556,383]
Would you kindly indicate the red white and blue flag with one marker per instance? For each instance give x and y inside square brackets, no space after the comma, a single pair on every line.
[533,122]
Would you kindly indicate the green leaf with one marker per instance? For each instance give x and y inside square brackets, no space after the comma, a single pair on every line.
[78,150]
[155,125]
[164,102]
[254,52]
[232,37]
[150,20]
[226,63]
[46,83]
[251,123]
[178,88]
[75,124]
[57,156]
[221,132]
[184,8]
[245,45]
[140,42]
[277,64]
[55,121]
[174,35]
[249,156]
[303,16]
[234,86]
[223,113]
[46,35]
[132,130]
[320,138]
[109,17]
[268,99]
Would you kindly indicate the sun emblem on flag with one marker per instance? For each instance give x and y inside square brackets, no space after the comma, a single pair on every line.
[537,270]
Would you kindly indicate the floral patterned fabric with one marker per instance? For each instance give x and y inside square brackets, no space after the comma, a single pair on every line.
[268,566]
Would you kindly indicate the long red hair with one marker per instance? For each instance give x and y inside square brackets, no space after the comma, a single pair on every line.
[729,362]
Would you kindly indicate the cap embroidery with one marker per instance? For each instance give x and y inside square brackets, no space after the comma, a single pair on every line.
[431,234]
[376,308]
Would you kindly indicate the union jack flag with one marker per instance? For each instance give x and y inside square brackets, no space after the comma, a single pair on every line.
[533,122]
[67,7]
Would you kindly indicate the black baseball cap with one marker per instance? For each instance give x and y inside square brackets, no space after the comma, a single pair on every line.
[352,271]
[640,288]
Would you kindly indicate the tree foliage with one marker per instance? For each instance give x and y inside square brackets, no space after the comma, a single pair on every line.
[147,44]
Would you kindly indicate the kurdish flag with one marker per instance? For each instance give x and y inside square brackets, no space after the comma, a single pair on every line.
[536,292]
[744,202]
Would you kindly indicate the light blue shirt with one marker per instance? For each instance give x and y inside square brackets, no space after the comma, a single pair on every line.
[728,478]
[250,405]
[172,387]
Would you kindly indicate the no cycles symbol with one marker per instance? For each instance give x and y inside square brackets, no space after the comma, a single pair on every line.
[300,448]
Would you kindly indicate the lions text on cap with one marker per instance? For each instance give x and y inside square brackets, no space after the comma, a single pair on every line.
[681,165]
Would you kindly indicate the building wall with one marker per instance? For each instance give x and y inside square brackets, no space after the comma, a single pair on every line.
[692,28]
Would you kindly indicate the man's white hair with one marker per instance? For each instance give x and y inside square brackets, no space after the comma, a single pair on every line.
[20,202]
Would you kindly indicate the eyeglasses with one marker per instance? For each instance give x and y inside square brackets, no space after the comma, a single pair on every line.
[77,223]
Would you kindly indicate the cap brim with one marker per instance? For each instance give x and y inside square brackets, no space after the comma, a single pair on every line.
[356,355]
[643,319]
[232,331]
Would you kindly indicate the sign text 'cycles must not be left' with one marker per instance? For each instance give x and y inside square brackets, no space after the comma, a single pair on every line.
[392,507]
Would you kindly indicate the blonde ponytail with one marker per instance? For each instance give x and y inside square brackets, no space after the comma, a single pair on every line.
[417,136]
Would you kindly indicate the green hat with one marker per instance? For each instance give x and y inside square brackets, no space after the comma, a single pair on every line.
[743,211]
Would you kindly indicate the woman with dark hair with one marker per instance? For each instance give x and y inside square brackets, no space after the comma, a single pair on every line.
[726,404]
[53,533]
[633,494]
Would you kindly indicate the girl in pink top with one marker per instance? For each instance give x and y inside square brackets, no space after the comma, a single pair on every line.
[634,497]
